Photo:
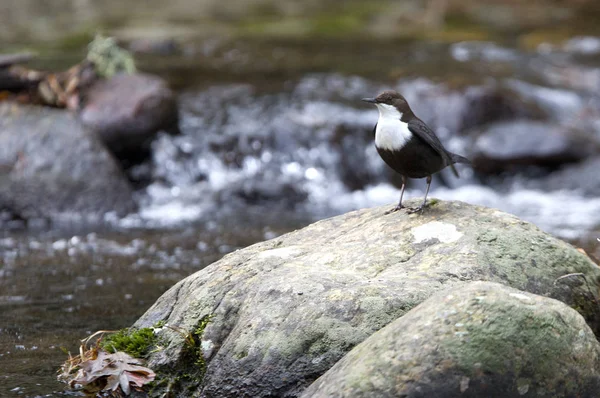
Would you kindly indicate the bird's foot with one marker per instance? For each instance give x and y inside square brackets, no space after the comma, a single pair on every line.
[419,209]
[395,209]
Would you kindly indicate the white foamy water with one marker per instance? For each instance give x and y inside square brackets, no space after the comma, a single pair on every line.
[566,214]
[310,151]
[563,213]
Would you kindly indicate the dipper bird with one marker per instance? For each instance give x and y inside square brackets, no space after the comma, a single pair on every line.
[408,145]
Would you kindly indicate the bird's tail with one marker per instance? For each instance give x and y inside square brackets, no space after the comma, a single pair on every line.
[457,159]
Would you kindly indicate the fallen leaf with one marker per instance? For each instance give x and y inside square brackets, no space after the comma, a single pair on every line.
[111,371]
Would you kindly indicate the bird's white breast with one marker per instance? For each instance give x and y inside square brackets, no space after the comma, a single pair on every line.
[391,133]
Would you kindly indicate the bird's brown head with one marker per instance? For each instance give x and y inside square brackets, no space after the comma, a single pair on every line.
[392,98]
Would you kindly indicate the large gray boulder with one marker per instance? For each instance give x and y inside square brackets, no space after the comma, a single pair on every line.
[479,340]
[283,312]
[52,167]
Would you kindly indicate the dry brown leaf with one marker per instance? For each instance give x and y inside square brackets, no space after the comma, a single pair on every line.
[111,371]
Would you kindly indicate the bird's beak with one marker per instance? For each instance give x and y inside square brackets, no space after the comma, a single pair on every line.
[371,100]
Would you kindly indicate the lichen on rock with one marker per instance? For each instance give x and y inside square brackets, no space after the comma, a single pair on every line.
[479,340]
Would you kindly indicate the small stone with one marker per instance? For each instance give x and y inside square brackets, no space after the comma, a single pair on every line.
[61,169]
[126,112]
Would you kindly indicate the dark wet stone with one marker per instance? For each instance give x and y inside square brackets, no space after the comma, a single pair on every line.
[479,340]
[53,167]
[126,112]
[508,146]
[583,177]
[486,105]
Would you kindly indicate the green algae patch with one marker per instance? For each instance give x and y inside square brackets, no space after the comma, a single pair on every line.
[432,202]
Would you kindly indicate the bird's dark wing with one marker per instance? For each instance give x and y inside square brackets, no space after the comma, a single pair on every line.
[421,130]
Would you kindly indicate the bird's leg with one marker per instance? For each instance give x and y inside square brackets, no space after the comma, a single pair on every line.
[399,206]
[424,204]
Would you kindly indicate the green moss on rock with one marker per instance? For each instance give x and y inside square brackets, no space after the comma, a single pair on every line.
[187,378]
[136,342]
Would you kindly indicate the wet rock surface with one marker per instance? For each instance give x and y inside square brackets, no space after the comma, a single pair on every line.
[282,312]
[480,339]
[55,168]
[127,111]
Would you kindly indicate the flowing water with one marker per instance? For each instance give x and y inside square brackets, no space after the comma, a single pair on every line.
[262,155]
